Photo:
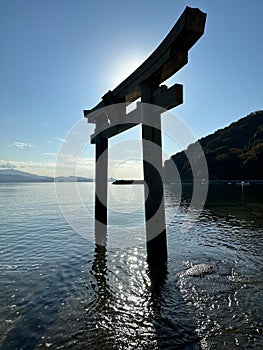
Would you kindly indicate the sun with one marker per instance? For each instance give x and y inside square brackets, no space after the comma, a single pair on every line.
[125,65]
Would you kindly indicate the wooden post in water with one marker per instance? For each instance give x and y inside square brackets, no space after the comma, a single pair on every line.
[101,184]
[101,190]
[156,241]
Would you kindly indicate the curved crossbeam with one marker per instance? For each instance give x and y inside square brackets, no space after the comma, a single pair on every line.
[170,56]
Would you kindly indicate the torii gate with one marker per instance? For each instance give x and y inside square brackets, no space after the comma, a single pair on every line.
[145,83]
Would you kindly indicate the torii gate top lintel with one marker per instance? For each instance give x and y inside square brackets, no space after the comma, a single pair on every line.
[170,56]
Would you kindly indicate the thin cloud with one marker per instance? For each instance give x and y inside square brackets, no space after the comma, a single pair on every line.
[39,168]
[60,139]
[22,145]
[7,165]
[69,165]
[50,154]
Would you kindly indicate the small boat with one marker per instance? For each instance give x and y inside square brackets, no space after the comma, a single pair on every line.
[243,183]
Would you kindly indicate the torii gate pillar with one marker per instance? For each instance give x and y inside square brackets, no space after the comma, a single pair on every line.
[156,241]
[101,190]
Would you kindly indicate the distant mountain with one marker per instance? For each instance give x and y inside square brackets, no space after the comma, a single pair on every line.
[232,153]
[72,179]
[13,175]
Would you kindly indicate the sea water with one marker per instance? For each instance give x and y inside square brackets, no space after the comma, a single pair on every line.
[60,291]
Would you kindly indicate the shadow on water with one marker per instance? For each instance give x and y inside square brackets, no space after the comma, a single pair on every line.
[132,304]
[228,235]
[234,202]
[226,202]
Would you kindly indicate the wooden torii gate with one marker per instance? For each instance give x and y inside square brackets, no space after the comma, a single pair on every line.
[145,83]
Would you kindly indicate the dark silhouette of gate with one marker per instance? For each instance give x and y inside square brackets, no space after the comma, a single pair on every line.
[111,118]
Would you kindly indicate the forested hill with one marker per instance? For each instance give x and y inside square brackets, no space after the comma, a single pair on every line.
[232,153]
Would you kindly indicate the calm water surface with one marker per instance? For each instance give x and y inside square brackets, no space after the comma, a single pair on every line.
[58,291]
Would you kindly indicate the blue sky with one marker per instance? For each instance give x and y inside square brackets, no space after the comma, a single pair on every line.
[59,57]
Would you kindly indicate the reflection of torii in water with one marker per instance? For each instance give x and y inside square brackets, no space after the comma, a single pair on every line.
[122,310]
[111,118]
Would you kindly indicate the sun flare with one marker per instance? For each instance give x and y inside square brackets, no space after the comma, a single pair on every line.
[124,67]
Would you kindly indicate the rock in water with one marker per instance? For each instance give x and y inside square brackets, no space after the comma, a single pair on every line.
[200,270]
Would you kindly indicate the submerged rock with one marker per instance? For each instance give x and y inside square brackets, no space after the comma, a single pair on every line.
[199,270]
